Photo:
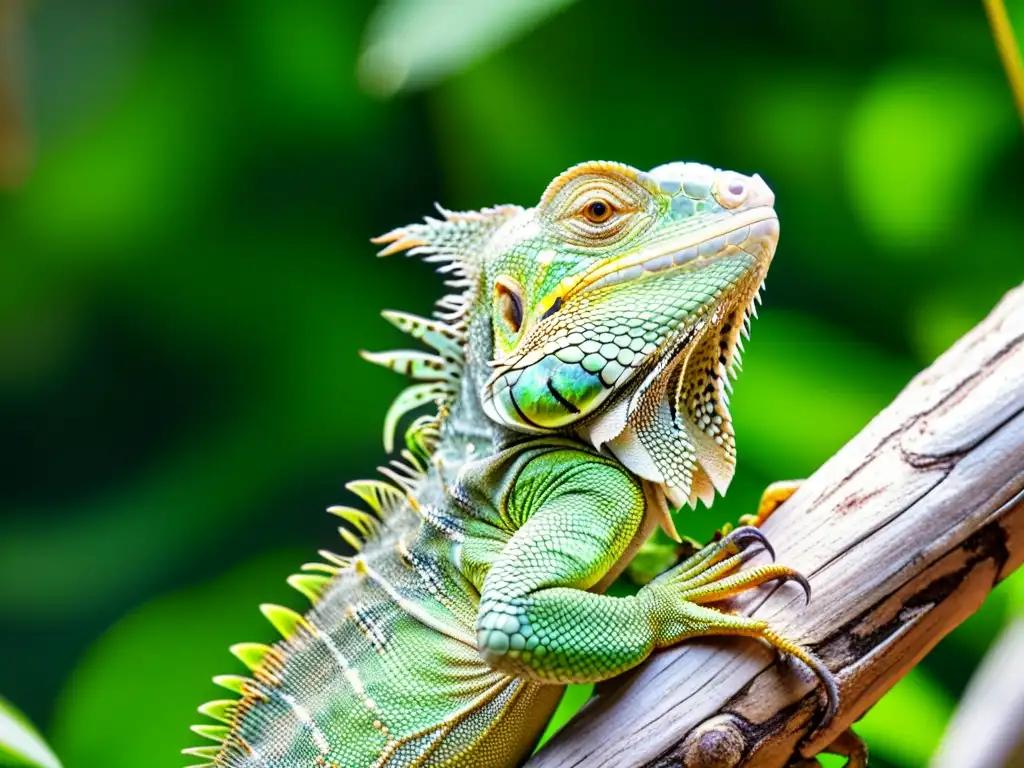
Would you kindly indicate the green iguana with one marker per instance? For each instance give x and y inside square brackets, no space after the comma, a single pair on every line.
[581,378]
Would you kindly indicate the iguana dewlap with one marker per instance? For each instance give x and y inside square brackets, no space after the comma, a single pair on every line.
[580,376]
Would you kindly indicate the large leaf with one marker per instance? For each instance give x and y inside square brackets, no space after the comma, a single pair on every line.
[20,743]
[414,43]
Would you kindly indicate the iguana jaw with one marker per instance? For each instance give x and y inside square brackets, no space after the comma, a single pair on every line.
[671,425]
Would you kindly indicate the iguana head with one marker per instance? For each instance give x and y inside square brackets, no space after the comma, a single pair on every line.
[616,307]
[617,304]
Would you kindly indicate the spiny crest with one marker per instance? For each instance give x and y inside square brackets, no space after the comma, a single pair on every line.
[454,242]
[266,662]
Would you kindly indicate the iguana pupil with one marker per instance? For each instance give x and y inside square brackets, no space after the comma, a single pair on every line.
[598,211]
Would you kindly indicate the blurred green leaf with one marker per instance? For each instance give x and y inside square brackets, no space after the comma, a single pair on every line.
[301,55]
[129,170]
[20,743]
[573,699]
[415,43]
[807,388]
[906,120]
[151,670]
[906,724]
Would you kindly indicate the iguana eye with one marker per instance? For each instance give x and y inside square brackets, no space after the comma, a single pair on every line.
[598,211]
[509,295]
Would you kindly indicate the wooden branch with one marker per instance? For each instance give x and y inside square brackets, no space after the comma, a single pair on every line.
[902,534]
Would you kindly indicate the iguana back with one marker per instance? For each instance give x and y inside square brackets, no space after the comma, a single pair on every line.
[384,669]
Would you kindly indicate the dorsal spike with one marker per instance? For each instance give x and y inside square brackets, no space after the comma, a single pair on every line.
[458,236]
[381,497]
[410,399]
[233,683]
[310,585]
[338,560]
[403,475]
[204,752]
[222,710]
[415,462]
[250,654]
[350,538]
[286,621]
[364,524]
[444,338]
[212,732]
[421,366]
[330,570]
[422,436]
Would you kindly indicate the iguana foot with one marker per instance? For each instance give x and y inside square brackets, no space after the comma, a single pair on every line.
[712,574]
[774,496]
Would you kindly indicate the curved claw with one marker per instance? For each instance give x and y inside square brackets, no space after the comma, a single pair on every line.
[825,677]
[831,692]
[746,535]
[803,582]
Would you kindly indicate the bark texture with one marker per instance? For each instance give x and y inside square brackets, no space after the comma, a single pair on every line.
[902,534]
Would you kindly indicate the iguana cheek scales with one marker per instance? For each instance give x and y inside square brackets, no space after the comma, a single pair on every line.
[578,386]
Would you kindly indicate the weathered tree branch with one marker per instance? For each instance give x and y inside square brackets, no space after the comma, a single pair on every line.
[902,533]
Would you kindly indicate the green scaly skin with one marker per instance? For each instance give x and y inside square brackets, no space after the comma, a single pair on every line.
[581,379]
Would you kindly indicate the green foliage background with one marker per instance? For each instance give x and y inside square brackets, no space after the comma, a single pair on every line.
[186,280]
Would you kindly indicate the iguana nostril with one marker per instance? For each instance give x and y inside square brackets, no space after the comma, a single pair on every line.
[736,188]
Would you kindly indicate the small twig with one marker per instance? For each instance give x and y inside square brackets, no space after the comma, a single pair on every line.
[1009,51]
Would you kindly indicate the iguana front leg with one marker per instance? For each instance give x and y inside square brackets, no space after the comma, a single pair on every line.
[536,618]
[576,514]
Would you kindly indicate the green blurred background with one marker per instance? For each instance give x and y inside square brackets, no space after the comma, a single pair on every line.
[186,280]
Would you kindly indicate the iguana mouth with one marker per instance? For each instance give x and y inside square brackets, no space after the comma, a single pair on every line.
[745,231]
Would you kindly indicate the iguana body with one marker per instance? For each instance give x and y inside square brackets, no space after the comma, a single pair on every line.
[580,380]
